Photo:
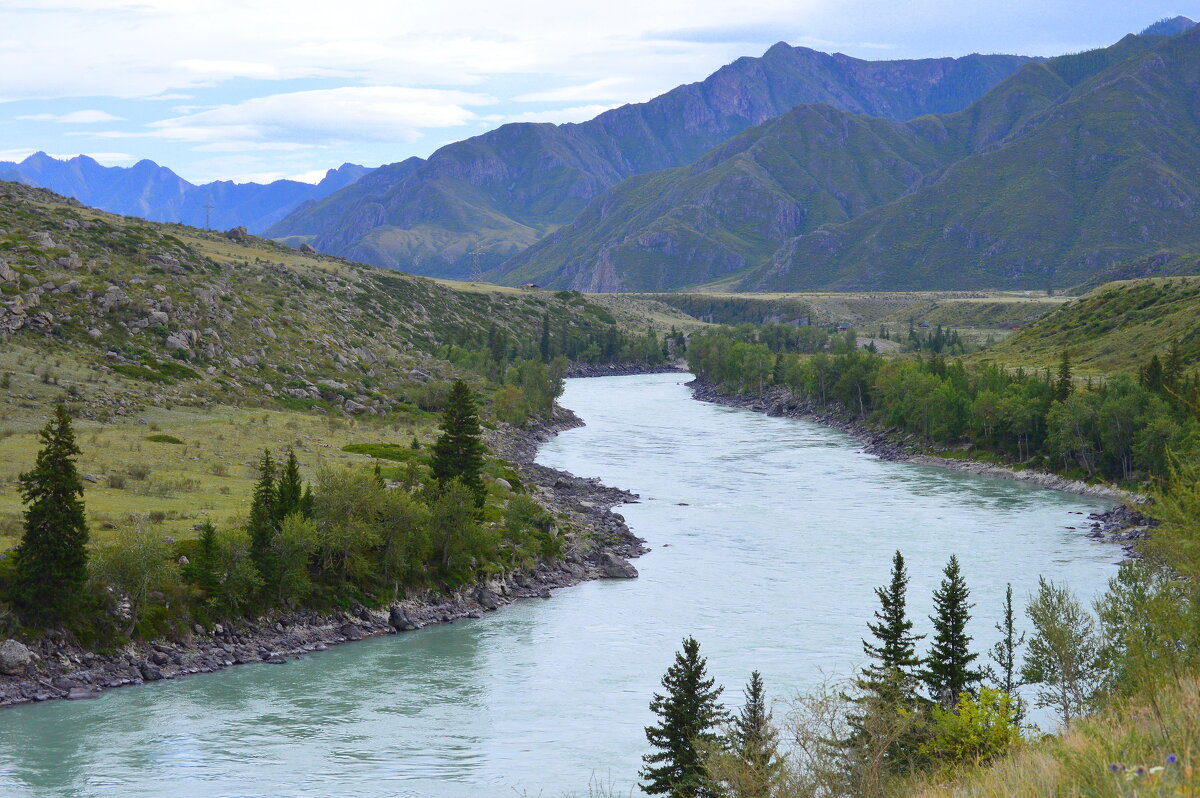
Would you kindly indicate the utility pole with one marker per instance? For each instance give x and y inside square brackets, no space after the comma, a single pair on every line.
[476,272]
[208,206]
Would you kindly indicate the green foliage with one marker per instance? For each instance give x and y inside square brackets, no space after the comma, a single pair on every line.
[1006,675]
[164,439]
[689,713]
[754,742]
[976,730]
[1063,652]
[462,543]
[947,671]
[458,453]
[236,579]
[893,657]
[385,451]
[52,556]
[134,564]
[1119,430]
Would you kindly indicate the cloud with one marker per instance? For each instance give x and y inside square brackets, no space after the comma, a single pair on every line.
[603,89]
[74,117]
[318,118]
[579,113]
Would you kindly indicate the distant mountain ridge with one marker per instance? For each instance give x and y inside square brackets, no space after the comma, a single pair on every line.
[1023,188]
[156,193]
[480,201]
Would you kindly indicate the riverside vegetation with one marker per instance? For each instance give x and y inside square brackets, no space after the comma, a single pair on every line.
[1122,677]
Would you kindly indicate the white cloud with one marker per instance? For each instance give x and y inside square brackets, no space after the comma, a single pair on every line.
[580,113]
[321,117]
[603,89]
[88,117]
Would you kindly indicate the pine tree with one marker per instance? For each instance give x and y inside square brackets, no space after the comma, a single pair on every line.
[202,570]
[1006,676]
[755,743]
[689,713]
[948,672]
[264,508]
[458,452]
[289,493]
[544,343]
[1063,386]
[51,560]
[894,658]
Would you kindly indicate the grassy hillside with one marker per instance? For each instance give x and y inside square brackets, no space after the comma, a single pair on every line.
[1114,328]
[228,347]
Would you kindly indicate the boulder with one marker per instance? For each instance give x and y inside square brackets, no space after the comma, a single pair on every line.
[15,657]
[308,249]
[150,672]
[400,621]
[613,566]
[486,598]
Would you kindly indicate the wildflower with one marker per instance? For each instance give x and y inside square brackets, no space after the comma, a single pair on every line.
[1141,770]
[1116,767]
[1172,759]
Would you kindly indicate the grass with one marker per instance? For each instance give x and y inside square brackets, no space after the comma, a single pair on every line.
[1121,752]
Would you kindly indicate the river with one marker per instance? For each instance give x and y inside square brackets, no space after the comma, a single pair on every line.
[768,537]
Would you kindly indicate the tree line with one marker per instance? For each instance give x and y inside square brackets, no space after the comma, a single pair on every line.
[345,536]
[1122,428]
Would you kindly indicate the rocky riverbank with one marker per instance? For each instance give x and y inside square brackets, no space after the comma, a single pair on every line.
[622,369]
[597,541]
[899,447]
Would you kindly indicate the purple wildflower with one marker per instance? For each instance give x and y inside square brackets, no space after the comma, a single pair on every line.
[1172,759]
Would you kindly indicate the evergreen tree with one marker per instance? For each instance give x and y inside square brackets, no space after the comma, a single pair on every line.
[689,712]
[948,672]
[458,452]
[264,508]
[1006,675]
[51,560]
[202,569]
[755,743]
[893,659]
[289,493]
[1063,386]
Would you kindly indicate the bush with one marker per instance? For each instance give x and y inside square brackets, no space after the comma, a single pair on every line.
[139,471]
[977,730]
[164,439]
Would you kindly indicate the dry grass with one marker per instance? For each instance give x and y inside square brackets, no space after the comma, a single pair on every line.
[1121,752]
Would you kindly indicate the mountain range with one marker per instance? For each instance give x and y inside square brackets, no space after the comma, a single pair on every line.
[1063,169]
[475,203]
[156,193]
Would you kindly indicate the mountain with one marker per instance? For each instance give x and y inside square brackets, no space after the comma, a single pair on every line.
[818,178]
[477,202]
[156,193]
[1108,173]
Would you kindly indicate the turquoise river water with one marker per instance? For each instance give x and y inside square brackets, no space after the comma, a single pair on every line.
[768,536]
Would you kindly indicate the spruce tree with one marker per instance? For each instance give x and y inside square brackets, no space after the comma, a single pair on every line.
[893,658]
[689,713]
[1063,386]
[202,570]
[755,743]
[264,509]
[948,672]
[1006,675]
[458,452]
[51,560]
[289,493]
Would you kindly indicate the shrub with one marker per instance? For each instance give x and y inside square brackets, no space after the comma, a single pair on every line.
[139,471]
[164,439]
[977,730]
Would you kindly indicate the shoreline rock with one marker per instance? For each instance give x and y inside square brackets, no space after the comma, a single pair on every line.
[56,668]
[621,369]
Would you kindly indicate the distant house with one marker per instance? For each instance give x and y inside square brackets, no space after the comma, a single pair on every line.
[924,325]
[843,327]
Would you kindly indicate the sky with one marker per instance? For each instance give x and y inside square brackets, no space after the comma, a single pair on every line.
[247,90]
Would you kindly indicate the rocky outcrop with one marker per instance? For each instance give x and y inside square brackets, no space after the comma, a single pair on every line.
[616,567]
